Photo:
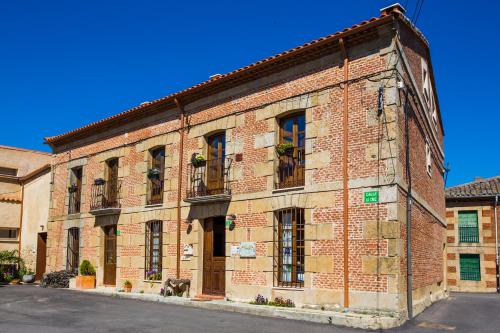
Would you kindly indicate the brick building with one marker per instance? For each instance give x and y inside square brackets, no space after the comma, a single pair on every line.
[299,188]
[472,239]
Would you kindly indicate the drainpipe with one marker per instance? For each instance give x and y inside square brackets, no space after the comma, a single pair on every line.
[21,217]
[179,187]
[496,243]
[409,203]
[345,173]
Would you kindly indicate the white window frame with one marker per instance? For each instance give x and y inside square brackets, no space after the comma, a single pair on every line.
[428,158]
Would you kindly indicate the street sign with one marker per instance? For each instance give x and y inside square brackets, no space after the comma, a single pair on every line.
[370,197]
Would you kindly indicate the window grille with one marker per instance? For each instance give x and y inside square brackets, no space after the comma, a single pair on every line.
[289,248]
[470,267]
[73,250]
[153,248]
[468,227]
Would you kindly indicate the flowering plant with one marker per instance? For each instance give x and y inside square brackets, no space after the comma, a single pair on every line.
[198,160]
[284,148]
[153,275]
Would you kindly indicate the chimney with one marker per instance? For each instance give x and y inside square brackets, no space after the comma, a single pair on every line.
[478,179]
[394,8]
[215,76]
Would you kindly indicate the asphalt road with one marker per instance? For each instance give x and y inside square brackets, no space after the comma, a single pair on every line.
[32,309]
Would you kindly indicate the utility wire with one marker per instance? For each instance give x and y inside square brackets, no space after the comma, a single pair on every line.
[417,4]
[418,13]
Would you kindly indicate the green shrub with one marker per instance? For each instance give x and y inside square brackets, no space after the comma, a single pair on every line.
[86,268]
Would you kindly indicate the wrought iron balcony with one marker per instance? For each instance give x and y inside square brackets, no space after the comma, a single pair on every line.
[468,234]
[209,182]
[105,198]
[291,169]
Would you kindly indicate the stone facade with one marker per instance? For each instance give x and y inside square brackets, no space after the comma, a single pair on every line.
[481,243]
[249,115]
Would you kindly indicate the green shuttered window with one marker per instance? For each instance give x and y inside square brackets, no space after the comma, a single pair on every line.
[468,227]
[470,268]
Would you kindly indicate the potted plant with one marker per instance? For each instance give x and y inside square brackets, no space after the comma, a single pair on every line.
[153,275]
[127,285]
[28,276]
[198,160]
[154,173]
[72,188]
[86,278]
[99,181]
[285,148]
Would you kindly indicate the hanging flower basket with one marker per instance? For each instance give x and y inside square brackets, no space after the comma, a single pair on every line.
[154,173]
[284,149]
[99,181]
[72,188]
[198,160]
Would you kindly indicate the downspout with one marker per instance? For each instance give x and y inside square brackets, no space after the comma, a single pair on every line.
[409,202]
[179,187]
[21,217]
[496,242]
[345,170]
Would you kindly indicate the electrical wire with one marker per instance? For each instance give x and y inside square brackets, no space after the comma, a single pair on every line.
[418,13]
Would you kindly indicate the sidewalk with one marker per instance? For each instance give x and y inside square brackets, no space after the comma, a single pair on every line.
[350,319]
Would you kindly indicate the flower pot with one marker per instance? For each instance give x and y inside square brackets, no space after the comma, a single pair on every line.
[199,164]
[85,282]
[127,288]
[28,278]
[15,281]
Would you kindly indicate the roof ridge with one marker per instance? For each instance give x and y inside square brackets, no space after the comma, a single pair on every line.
[484,180]
[25,150]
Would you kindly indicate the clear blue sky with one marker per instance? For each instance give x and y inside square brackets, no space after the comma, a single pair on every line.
[64,64]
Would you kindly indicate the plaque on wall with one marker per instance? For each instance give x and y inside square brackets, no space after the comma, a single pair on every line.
[247,250]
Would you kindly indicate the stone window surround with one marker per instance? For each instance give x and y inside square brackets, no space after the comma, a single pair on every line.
[80,162]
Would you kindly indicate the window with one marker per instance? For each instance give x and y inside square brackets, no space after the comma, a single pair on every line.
[468,227]
[428,158]
[292,161]
[8,233]
[216,159]
[75,190]
[156,174]
[470,267]
[153,248]
[8,171]
[73,250]
[289,248]
[112,183]
[426,85]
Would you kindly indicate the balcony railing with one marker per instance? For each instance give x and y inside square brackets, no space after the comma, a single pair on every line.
[468,234]
[210,181]
[105,195]
[74,202]
[290,170]
[155,192]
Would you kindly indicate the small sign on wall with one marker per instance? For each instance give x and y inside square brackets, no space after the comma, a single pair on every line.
[370,197]
[235,250]
[247,250]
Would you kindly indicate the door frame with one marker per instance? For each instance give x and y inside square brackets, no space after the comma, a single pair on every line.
[105,278]
[208,290]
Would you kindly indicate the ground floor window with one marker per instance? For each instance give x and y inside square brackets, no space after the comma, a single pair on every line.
[289,247]
[153,257]
[470,267]
[73,250]
[8,233]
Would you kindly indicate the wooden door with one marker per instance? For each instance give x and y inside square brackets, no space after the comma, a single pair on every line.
[215,163]
[291,170]
[214,257]
[41,255]
[112,183]
[110,255]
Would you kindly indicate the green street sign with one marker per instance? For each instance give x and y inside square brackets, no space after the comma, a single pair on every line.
[370,197]
[118,232]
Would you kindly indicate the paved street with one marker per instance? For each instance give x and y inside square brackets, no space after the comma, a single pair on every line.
[32,309]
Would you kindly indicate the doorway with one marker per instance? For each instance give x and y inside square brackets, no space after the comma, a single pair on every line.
[214,256]
[41,255]
[109,255]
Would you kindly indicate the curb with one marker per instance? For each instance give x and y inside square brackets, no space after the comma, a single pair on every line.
[349,319]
